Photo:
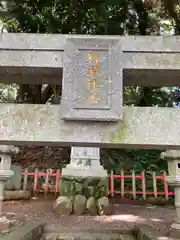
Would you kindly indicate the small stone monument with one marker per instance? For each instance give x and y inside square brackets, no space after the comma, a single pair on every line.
[92,91]
[6,173]
[84,184]
[173,179]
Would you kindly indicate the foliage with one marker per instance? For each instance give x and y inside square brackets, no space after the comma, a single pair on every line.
[8,93]
[80,17]
[139,159]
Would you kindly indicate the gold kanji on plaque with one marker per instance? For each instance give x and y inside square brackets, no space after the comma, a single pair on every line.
[91,84]
[93,71]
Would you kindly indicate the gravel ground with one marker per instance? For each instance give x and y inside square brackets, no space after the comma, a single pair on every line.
[125,215]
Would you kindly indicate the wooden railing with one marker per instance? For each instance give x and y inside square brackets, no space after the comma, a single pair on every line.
[116,183]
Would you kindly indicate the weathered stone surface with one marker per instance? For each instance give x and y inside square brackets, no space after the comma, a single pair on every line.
[84,188]
[79,204]
[174,233]
[171,155]
[136,128]
[89,232]
[104,201]
[107,209]
[146,232]
[91,235]
[152,54]
[82,101]
[50,42]
[4,224]
[84,163]
[63,206]
[96,187]
[14,183]
[29,231]
[91,206]
[92,172]
[102,205]
[17,195]
[9,150]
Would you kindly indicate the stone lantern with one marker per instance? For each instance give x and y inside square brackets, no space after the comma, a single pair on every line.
[173,179]
[6,153]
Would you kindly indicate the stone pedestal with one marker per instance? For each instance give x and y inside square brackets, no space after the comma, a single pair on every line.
[84,182]
[173,179]
[85,162]
[6,153]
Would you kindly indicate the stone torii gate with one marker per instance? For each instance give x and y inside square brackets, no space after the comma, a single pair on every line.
[91,113]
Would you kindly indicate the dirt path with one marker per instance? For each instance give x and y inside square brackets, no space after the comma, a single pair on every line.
[125,215]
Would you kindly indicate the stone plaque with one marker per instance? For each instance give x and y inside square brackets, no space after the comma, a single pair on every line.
[92,80]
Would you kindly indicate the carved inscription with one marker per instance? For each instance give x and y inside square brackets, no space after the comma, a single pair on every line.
[92,79]
[91,85]
[93,71]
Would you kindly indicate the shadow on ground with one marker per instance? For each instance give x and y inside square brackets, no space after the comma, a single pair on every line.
[125,215]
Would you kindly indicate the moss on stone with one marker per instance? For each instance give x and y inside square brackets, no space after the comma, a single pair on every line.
[89,187]
[118,135]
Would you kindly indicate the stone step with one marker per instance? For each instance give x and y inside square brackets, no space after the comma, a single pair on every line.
[86,236]
[124,230]
[127,237]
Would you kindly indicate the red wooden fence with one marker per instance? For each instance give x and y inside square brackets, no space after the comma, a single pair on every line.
[46,187]
[142,177]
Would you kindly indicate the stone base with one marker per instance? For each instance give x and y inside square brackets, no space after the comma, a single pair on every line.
[89,233]
[83,195]
[175,226]
[88,186]
[174,231]
[4,224]
[28,231]
[174,234]
[97,171]
[5,175]
[148,232]
[17,195]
